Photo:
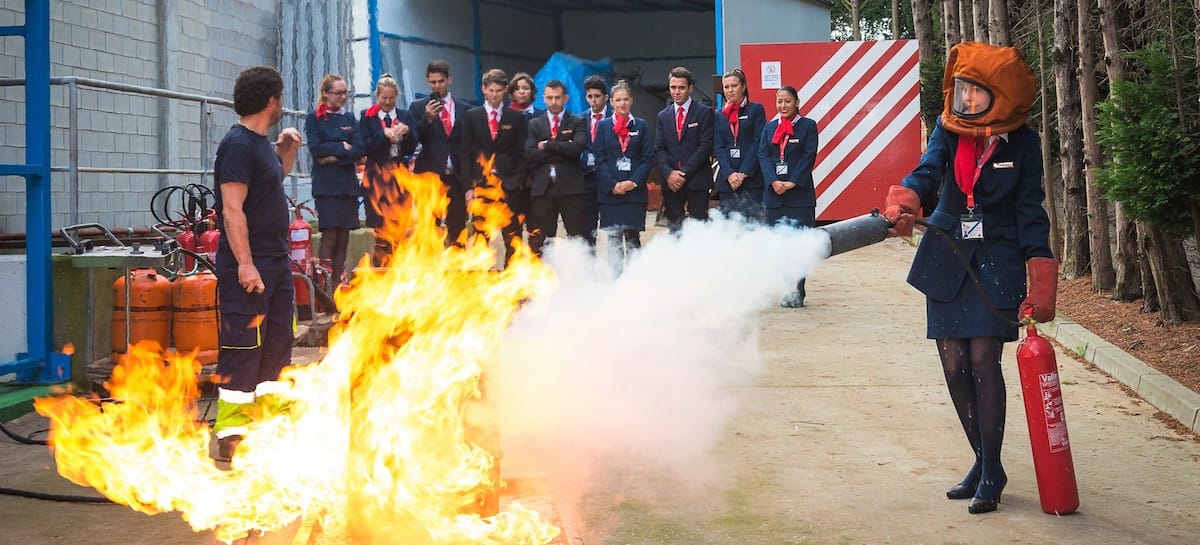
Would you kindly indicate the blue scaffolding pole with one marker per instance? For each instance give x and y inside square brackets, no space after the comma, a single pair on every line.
[40,364]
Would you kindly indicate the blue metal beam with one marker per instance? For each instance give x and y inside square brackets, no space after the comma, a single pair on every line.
[16,30]
[38,304]
[373,46]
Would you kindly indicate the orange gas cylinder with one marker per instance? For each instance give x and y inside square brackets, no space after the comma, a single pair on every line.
[194,321]
[149,309]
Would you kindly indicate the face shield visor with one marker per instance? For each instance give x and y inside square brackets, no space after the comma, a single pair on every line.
[971,99]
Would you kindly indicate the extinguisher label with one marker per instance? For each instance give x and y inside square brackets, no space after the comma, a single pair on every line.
[299,235]
[299,254]
[1052,405]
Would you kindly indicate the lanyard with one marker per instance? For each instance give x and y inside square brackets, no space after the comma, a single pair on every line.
[969,188]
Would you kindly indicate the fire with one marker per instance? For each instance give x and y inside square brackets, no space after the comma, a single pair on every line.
[387,439]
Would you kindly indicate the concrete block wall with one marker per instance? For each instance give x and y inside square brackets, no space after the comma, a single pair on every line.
[120,41]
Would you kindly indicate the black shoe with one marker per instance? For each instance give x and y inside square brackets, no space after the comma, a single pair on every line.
[966,488]
[226,447]
[987,498]
[793,300]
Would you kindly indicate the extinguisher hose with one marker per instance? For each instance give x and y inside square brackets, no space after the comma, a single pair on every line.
[970,272]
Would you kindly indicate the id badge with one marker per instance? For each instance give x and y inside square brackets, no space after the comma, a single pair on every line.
[972,226]
[781,168]
[624,164]
[591,160]
[735,153]
[395,150]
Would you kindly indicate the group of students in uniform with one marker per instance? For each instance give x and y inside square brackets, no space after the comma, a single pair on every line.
[979,181]
[589,168]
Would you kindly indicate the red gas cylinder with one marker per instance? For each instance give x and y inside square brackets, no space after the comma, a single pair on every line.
[1047,424]
[194,320]
[149,309]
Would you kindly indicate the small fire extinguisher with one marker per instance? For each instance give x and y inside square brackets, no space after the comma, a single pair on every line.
[300,245]
[210,238]
[1047,424]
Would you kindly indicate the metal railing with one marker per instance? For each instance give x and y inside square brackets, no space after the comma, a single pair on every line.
[73,168]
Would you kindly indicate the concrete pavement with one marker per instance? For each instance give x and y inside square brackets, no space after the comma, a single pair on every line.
[847,436]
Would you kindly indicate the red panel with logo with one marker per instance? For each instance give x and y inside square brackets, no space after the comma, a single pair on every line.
[865,98]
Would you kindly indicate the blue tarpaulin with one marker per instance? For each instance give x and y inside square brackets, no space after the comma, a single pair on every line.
[571,71]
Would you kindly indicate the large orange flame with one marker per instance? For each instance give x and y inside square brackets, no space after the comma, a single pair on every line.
[374,442]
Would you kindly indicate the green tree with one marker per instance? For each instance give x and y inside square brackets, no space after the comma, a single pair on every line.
[1154,155]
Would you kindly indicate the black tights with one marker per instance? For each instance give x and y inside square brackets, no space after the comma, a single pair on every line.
[976,383]
[334,242]
[622,243]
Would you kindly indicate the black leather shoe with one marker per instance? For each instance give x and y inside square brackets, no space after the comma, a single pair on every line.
[966,488]
[980,505]
[226,446]
[793,300]
[987,497]
[962,491]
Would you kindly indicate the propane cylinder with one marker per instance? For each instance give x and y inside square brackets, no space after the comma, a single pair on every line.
[194,318]
[1047,424]
[149,309]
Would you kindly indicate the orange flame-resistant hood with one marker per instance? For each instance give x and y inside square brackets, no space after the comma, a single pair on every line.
[1004,72]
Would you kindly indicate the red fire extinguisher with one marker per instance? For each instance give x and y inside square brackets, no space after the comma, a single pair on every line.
[300,237]
[210,238]
[1047,424]
[187,241]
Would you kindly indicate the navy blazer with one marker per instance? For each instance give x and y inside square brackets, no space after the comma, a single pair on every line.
[689,154]
[800,153]
[1008,195]
[327,138]
[586,115]
[508,148]
[640,153]
[436,145]
[562,152]
[377,147]
[751,118]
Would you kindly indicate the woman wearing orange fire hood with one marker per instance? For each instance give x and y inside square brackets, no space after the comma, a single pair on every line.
[988,165]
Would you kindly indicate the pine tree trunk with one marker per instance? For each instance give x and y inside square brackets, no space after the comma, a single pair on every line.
[966,21]
[923,26]
[999,23]
[1127,285]
[1076,257]
[1103,275]
[979,19]
[1146,252]
[895,19]
[1052,200]
[950,23]
[1177,299]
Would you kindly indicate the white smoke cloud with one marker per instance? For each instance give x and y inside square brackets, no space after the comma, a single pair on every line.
[639,372]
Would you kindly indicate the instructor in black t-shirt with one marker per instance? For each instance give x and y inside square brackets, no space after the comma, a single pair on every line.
[254,280]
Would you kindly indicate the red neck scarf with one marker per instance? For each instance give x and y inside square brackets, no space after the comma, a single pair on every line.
[323,111]
[731,111]
[967,157]
[783,131]
[621,129]
[372,111]
[518,107]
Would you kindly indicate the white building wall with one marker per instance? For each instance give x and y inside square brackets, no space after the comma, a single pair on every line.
[119,41]
[769,21]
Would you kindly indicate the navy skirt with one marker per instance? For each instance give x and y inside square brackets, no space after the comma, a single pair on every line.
[337,211]
[625,215]
[967,316]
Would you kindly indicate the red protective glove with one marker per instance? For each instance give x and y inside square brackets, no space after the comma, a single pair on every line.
[900,210]
[1043,288]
